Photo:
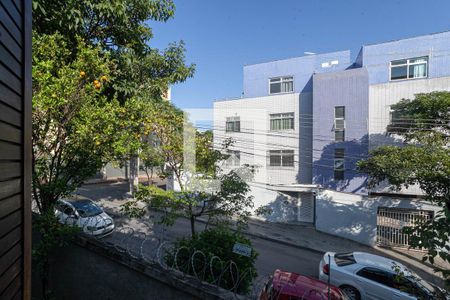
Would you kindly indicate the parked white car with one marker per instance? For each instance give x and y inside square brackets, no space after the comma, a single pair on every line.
[364,276]
[85,214]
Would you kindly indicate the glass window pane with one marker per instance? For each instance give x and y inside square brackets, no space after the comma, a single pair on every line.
[275,160]
[287,87]
[339,164]
[275,88]
[283,121]
[288,161]
[286,124]
[339,112]
[275,124]
[275,80]
[288,158]
[339,124]
[339,135]
[418,71]
[399,72]
[237,126]
[339,153]
[289,78]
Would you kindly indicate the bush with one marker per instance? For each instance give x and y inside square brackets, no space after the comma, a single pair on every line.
[216,242]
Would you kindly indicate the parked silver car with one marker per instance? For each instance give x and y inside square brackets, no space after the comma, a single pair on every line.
[364,276]
[85,214]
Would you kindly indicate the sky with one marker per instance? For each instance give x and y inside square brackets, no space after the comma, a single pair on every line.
[222,36]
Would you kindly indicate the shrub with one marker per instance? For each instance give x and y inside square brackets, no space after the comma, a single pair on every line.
[232,271]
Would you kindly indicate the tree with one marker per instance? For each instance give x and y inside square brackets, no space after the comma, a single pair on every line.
[120,28]
[93,70]
[71,117]
[210,192]
[423,160]
[113,24]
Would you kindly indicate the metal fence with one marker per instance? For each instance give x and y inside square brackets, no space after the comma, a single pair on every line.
[391,221]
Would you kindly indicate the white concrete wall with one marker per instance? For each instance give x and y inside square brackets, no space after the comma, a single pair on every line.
[355,216]
[255,138]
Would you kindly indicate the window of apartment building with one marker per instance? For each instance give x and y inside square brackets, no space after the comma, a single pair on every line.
[233,124]
[235,158]
[281,85]
[281,158]
[409,68]
[283,121]
[339,123]
[339,163]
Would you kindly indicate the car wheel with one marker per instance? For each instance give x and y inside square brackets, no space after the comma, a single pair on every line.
[351,292]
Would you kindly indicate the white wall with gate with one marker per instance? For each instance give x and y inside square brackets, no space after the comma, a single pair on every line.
[355,216]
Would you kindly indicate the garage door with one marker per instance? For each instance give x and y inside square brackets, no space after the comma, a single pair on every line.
[306,207]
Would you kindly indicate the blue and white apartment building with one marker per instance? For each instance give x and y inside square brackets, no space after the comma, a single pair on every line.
[306,121]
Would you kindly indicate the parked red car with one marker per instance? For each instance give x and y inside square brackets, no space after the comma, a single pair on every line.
[291,286]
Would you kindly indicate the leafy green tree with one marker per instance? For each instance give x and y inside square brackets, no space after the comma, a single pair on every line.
[121,28]
[210,192]
[93,72]
[215,243]
[71,128]
[113,24]
[423,160]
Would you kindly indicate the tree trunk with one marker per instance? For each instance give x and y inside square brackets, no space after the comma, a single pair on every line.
[148,176]
[134,175]
[151,173]
[192,225]
[127,171]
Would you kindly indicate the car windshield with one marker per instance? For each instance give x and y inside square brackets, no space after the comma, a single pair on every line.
[426,286]
[86,208]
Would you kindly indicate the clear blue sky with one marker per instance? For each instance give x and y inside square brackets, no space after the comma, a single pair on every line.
[223,36]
